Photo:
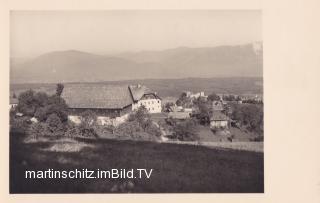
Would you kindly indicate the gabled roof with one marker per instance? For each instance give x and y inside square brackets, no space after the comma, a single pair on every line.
[138,91]
[97,96]
[13,100]
[179,115]
[218,116]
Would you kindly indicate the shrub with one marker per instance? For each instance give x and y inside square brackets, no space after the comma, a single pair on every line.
[19,124]
[153,130]
[88,118]
[41,105]
[37,130]
[72,130]
[257,139]
[128,129]
[186,131]
[54,125]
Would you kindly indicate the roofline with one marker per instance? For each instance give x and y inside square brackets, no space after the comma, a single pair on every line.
[99,107]
[154,95]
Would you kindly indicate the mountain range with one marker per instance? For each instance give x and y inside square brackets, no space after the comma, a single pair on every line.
[183,62]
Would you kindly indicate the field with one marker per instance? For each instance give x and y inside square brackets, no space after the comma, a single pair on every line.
[177,168]
[172,87]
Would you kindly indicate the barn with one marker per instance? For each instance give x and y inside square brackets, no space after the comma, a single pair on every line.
[108,101]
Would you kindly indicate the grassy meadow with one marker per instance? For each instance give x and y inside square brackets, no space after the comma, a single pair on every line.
[177,168]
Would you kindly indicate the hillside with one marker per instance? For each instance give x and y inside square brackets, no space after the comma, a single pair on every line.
[183,62]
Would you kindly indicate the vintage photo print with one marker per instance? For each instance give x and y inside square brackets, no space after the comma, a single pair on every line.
[136,101]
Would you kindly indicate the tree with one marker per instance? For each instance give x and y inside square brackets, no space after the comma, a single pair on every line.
[186,130]
[53,105]
[168,106]
[184,100]
[229,97]
[250,116]
[59,89]
[41,105]
[27,103]
[142,116]
[213,97]
[204,110]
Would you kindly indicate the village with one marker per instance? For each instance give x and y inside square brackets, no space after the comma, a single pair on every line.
[191,117]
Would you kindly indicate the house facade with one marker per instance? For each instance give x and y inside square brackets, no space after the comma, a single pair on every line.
[13,102]
[142,96]
[218,120]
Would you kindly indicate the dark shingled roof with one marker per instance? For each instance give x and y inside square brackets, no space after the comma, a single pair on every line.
[218,116]
[138,91]
[97,96]
[179,115]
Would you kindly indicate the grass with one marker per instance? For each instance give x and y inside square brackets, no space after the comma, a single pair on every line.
[177,168]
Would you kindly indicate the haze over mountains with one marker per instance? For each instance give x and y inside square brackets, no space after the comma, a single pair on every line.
[183,62]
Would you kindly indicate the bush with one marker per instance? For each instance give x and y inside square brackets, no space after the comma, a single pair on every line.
[186,131]
[72,131]
[37,130]
[19,124]
[257,139]
[88,118]
[41,105]
[128,129]
[54,125]
[153,130]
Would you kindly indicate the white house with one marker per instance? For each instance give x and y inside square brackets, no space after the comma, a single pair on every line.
[218,120]
[142,96]
[13,102]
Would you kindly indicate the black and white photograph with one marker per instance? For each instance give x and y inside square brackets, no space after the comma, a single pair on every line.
[136,101]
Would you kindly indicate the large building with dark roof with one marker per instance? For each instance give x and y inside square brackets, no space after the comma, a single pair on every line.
[109,100]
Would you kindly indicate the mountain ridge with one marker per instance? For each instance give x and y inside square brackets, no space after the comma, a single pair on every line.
[79,66]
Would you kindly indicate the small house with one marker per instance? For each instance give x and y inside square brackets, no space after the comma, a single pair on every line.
[218,120]
[13,102]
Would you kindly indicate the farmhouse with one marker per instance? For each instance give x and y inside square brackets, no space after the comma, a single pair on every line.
[218,120]
[108,101]
[13,102]
[143,96]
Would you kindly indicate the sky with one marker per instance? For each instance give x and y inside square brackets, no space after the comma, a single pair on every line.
[33,33]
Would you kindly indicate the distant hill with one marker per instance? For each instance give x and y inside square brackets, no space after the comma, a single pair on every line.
[183,62]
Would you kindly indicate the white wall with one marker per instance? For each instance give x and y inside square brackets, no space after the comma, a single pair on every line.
[152,105]
[217,124]
[102,120]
